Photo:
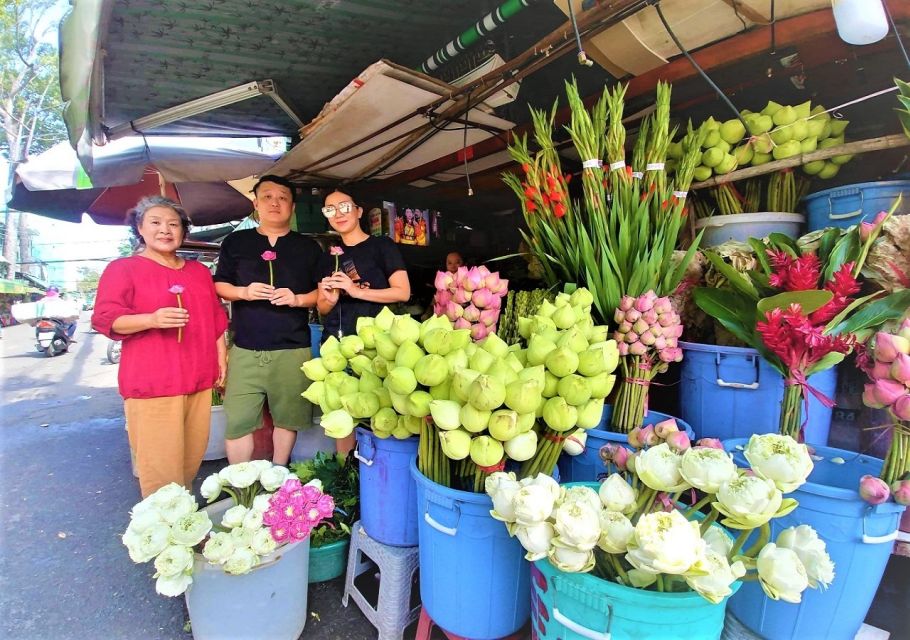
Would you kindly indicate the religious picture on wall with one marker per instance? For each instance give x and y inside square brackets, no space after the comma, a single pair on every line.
[409,226]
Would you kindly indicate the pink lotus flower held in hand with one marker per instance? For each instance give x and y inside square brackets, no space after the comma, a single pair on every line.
[873,490]
[177,290]
[270,256]
[901,491]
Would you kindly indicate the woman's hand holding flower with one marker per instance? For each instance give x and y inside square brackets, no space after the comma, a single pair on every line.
[169,318]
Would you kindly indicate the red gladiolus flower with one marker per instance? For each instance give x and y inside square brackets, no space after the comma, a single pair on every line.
[526,167]
[559,210]
[530,191]
[555,195]
[568,178]
[530,206]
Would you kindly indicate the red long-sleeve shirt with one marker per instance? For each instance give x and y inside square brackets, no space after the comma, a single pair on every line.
[153,364]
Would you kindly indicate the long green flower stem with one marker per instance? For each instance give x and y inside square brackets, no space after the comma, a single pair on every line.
[764,534]
[698,505]
[431,461]
[740,541]
[791,411]
[548,452]
[897,462]
[708,521]
[629,411]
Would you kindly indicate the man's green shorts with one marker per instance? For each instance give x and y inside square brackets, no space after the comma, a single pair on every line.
[253,377]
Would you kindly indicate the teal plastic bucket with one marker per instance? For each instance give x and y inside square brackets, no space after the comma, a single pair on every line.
[328,561]
[852,203]
[474,580]
[388,494]
[579,606]
[859,538]
[587,466]
[315,338]
[732,392]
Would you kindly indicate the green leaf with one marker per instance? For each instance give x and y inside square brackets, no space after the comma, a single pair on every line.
[734,312]
[786,243]
[846,249]
[891,307]
[808,301]
[836,320]
[760,253]
[734,277]
[826,362]
[826,243]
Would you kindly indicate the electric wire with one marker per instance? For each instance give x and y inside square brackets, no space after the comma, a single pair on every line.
[897,34]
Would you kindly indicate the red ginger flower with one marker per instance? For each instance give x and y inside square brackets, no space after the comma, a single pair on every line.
[843,285]
[790,336]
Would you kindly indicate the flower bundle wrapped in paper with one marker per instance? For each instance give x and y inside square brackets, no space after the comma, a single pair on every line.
[633,530]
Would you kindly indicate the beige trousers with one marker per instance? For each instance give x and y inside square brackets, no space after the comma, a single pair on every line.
[168,437]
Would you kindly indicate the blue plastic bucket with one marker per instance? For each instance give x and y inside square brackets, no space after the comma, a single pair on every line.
[387,490]
[315,338]
[577,606]
[732,392]
[474,580]
[859,537]
[587,466]
[851,203]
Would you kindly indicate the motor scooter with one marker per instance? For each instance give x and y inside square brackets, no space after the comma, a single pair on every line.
[52,336]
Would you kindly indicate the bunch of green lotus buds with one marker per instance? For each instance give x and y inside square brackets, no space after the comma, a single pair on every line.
[648,323]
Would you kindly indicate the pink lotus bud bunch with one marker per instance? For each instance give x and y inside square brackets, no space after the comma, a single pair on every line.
[710,443]
[874,490]
[648,323]
[889,372]
[615,454]
[471,298]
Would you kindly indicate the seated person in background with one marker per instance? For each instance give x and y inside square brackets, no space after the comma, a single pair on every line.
[453,261]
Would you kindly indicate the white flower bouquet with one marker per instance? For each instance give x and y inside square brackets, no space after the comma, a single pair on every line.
[633,530]
[271,508]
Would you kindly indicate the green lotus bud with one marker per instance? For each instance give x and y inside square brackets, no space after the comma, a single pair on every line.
[384,318]
[334,361]
[369,353]
[486,393]
[701,173]
[457,359]
[732,131]
[535,374]
[442,391]
[743,154]
[803,109]
[574,389]
[524,327]
[399,402]
[760,158]
[385,397]
[343,383]
[360,404]
[481,360]
[590,413]
[838,127]
[331,345]
[538,349]
[808,145]
[599,334]
[550,382]
[385,346]
[494,345]
[564,317]
[711,124]
[522,447]
[369,382]
[404,329]
[337,424]
[712,157]
[419,404]
[538,412]
[800,130]
[503,424]
[582,296]
[331,400]
[432,323]
[381,366]
[314,369]
[461,383]
[502,372]
[445,414]
[562,299]
[486,451]
[726,165]
[816,126]
[363,322]
[826,130]
[351,346]
[460,339]
[431,370]
[771,108]
[573,339]
[401,380]
[781,135]
[723,146]
[542,324]
[473,419]
[830,142]
[561,362]
[828,171]
[602,384]
[592,361]
[711,139]
[842,159]
[409,354]
[401,431]
[812,168]
[762,144]
[546,309]
[514,363]
[437,341]
[315,392]
[526,420]
[456,444]
[384,420]
[559,415]
[786,150]
[523,395]
[522,357]
[413,424]
[361,363]
[784,115]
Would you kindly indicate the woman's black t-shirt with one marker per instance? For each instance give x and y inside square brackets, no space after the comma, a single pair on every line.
[259,325]
[369,264]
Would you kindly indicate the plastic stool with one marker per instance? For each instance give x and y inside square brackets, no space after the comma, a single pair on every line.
[397,566]
[425,626]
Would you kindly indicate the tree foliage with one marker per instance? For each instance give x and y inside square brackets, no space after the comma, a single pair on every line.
[88,281]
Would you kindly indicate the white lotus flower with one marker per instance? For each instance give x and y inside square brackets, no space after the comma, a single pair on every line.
[252,520]
[779,458]
[211,487]
[146,545]
[811,551]
[615,532]
[315,482]
[174,585]
[658,468]
[536,539]
[570,560]
[174,560]
[706,469]
[665,542]
[718,541]
[545,481]
[190,529]
[533,503]
[715,577]
[617,494]
[273,477]
[177,507]
[242,474]
[161,497]
[241,537]
[586,495]
[261,502]
[241,561]
[577,525]
[145,519]
[233,517]
[263,543]
[781,573]
[749,502]
[218,548]
[502,487]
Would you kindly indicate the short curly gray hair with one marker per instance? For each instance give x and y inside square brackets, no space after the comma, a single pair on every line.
[137,213]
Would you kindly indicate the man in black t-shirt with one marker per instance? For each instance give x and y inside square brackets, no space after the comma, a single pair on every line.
[270,275]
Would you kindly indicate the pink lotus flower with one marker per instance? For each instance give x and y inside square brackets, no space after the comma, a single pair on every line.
[631,337]
[679,441]
[866,228]
[645,302]
[671,354]
[454,311]
[500,287]
[638,349]
[461,323]
[619,316]
[460,274]
[887,346]
[647,436]
[869,398]
[483,271]
[650,316]
[660,343]
[633,315]
[461,296]
[268,256]
[873,490]
[665,428]
[443,297]
[471,313]
[443,280]
[621,457]
[880,370]
[479,331]
[710,443]
[901,491]
[640,326]
[647,338]
[626,303]
[177,289]
[623,348]
[887,391]
[901,408]
[491,280]
[473,281]
[482,298]
[496,303]
[489,317]
[663,305]
[900,369]
[635,439]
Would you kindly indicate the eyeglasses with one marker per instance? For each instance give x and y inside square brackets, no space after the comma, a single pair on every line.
[343,208]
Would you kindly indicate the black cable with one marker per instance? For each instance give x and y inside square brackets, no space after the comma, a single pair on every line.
[464,146]
[685,52]
[900,42]
[582,56]
[773,31]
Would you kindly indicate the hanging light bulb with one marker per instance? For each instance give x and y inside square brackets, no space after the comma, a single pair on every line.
[860,21]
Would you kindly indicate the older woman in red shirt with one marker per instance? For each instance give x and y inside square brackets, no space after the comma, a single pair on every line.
[165,310]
